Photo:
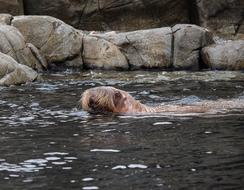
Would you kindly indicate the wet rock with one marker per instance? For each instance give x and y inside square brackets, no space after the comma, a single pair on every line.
[99,53]
[225,17]
[13,44]
[13,73]
[5,19]
[14,7]
[188,42]
[123,15]
[144,48]
[58,42]
[225,56]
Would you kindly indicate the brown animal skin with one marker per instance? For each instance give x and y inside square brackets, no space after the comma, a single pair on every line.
[109,99]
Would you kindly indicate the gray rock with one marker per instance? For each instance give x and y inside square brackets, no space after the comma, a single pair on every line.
[58,42]
[99,53]
[13,73]
[13,44]
[5,19]
[188,42]
[225,17]
[226,56]
[144,48]
[42,61]
[13,7]
[123,15]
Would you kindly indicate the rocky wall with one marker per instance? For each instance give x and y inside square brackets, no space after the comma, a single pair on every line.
[225,17]
[44,42]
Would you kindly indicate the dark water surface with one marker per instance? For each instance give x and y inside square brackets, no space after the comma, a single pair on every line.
[46,142]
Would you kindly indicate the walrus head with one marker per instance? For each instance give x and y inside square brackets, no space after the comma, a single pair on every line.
[108,99]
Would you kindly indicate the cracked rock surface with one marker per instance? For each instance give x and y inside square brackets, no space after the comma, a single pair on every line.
[58,42]
[13,44]
[226,17]
[188,40]
[13,7]
[100,53]
[144,48]
[13,73]
[44,41]
[225,56]
[123,15]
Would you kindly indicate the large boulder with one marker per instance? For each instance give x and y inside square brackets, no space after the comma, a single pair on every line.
[225,17]
[13,44]
[227,55]
[123,15]
[144,48]
[13,73]
[14,7]
[58,42]
[188,40]
[99,53]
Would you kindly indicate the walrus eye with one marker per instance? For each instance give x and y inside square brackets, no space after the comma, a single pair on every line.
[117,98]
[91,103]
[118,95]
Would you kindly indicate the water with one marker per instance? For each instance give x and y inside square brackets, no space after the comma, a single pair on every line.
[47,142]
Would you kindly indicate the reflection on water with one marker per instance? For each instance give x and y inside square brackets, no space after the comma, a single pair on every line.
[47,142]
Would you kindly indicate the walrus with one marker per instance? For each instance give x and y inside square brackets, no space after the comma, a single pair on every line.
[109,99]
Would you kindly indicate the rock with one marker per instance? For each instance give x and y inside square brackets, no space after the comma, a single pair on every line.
[240,34]
[188,42]
[69,11]
[225,56]
[99,53]
[13,7]
[123,15]
[225,17]
[144,48]
[58,42]
[13,73]
[13,44]
[42,61]
[5,19]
